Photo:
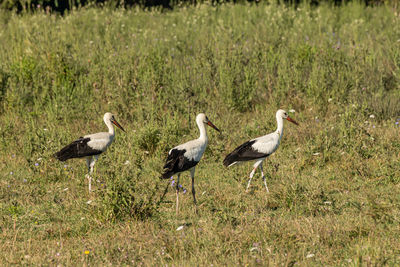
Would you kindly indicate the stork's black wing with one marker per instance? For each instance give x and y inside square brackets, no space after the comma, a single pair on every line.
[244,152]
[177,162]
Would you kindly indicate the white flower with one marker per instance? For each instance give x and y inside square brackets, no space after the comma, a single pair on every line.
[179,228]
[316,154]
[310,255]
[372,116]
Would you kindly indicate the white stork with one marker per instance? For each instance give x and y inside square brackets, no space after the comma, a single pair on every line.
[260,148]
[186,156]
[90,146]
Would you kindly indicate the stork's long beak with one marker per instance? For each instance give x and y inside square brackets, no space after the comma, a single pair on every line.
[292,120]
[117,124]
[209,123]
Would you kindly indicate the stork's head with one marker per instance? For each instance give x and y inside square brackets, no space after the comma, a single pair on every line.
[202,118]
[110,117]
[284,115]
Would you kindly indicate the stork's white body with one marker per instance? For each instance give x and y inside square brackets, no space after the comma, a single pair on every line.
[258,149]
[195,148]
[101,141]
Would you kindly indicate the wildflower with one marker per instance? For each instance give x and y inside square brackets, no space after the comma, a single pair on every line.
[310,255]
[58,254]
[397,123]
[180,186]
[11,173]
[172,178]
[330,100]
[25,180]
[184,190]
[179,228]
[13,155]
[173,182]
[373,126]
[372,116]
[65,166]
[36,164]
[87,252]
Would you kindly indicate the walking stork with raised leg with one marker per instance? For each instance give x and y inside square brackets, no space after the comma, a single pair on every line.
[90,146]
[259,149]
[185,157]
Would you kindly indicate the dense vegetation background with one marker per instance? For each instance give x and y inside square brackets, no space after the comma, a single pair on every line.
[62,6]
[334,181]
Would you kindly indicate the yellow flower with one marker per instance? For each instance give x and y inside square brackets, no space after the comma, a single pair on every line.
[87,252]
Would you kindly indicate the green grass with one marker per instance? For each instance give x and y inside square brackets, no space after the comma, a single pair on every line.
[334,181]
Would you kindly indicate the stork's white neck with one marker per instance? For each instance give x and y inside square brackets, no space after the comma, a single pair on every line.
[203,132]
[110,126]
[279,121]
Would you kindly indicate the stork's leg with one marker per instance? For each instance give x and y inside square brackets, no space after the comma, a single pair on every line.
[89,164]
[193,190]
[94,159]
[177,195]
[255,166]
[263,177]
[92,162]
[251,177]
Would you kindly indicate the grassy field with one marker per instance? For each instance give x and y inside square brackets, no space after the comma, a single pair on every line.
[334,182]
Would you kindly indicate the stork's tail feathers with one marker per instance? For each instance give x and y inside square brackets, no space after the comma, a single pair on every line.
[67,152]
[166,175]
[230,159]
